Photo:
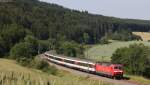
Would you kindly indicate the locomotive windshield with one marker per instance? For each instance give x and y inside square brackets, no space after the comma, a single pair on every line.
[118,67]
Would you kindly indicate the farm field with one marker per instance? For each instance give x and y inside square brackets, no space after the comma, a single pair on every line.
[144,35]
[14,74]
[104,52]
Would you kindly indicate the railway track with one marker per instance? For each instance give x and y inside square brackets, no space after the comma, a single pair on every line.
[92,76]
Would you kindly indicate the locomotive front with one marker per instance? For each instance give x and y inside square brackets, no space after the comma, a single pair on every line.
[108,69]
[117,70]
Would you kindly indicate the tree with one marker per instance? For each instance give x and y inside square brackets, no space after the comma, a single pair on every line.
[11,35]
[24,52]
[52,43]
[86,38]
[33,42]
[2,48]
[71,49]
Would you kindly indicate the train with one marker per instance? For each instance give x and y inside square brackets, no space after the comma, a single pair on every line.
[105,69]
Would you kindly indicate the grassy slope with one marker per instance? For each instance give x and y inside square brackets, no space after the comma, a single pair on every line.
[14,74]
[97,51]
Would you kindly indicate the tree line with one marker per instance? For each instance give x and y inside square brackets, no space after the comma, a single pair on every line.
[49,21]
[28,27]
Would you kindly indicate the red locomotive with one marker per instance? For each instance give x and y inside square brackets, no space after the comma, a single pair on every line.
[107,69]
[111,70]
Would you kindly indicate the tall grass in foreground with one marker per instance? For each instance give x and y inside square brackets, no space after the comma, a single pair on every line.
[16,78]
[14,74]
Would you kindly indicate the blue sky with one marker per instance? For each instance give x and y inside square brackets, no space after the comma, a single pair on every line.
[135,9]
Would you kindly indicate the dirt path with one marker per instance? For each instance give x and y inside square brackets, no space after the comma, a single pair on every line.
[92,76]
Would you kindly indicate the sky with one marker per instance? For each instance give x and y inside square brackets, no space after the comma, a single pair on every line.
[132,9]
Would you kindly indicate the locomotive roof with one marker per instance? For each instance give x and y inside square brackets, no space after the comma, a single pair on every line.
[63,56]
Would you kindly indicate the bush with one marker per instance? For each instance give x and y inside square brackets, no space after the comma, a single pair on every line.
[136,59]
[22,50]
[44,66]
[24,61]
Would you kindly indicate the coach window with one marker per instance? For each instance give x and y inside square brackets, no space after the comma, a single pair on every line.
[58,59]
[68,61]
[50,56]
[46,55]
[84,64]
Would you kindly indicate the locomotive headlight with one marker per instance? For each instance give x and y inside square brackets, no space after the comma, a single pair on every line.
[118,71]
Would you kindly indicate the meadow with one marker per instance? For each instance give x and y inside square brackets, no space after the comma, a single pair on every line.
[104,52]
[14,74]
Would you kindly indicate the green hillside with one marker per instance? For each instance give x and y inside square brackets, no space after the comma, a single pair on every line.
[104,52]
[14,74]
[55,23]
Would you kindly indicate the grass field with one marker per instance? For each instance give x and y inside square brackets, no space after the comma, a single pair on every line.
[144,35]
[104,52]
[14,74]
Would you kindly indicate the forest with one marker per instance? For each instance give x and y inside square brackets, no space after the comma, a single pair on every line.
[34,25]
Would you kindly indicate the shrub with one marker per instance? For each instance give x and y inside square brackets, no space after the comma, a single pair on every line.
[24,52]
[44,66]
[21,50]
[24,61]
